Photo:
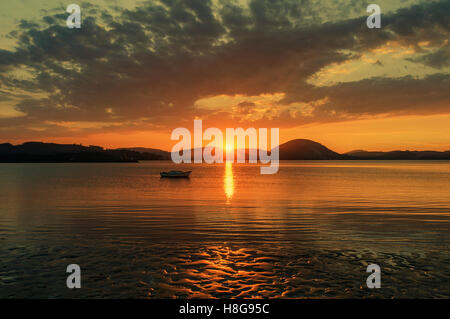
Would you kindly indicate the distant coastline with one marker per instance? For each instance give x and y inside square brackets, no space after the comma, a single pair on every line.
[39,152]
[298,149]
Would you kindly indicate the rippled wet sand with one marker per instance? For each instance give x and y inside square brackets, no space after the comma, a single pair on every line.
[221,271]
[137,236]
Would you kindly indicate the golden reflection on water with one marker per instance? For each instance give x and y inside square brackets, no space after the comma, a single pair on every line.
[218,271]
[228,180]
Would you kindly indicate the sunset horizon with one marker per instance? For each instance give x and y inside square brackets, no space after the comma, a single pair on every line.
[167,148]
[225,158]
[349,87]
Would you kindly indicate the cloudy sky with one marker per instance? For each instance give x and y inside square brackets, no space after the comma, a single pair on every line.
[138,69]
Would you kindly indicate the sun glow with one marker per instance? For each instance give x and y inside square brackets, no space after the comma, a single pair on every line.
[229,148]
[229,152]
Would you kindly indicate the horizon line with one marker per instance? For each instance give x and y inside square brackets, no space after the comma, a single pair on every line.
[224,150]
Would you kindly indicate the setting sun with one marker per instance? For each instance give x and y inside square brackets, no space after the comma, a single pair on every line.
[229,148]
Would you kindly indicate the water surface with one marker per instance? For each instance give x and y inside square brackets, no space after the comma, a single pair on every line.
[308,231]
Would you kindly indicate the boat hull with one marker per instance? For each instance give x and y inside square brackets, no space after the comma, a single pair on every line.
[175,175]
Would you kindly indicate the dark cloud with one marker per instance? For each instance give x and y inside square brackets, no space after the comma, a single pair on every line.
[245,107]
[438,59]
[375,96]
[246,104]
[153,62]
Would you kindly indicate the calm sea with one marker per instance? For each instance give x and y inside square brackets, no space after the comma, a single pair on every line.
[308,231]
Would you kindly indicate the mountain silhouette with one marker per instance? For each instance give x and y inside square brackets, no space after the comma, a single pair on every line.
[298,149]
[40,148]
[399,155]
[31,152]
[301,149]
[163,155]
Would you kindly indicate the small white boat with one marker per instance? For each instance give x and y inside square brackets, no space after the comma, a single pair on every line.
[175,174]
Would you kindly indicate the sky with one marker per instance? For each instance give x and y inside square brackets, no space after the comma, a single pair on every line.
[136,70]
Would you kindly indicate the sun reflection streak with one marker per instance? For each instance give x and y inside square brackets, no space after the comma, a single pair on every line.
[228,181]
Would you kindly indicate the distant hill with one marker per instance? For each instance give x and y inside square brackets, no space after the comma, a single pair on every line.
[399,155]
[40,148]
[301,149]
[51,152]
[162,154]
